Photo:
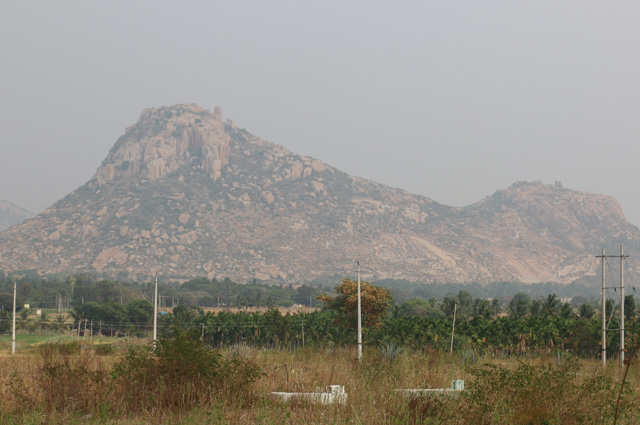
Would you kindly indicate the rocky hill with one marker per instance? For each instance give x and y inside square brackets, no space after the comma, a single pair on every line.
[11,214]
[184,193]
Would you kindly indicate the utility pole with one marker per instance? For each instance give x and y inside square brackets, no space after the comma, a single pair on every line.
[155,314]
[603,258]
[604,314]
[453,327]
[303,331]
[13,337]
[621,306]
[359,317]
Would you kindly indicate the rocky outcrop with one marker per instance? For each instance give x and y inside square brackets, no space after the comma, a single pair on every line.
[183,194]
[167,139]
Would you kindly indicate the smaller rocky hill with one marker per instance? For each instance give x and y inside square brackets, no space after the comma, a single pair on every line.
[11,214]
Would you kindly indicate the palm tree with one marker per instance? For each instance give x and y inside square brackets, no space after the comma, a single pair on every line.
[629,308]
[59,324]
[586,311]
[76,318]
[536,308]
[42,321]
[481,308]
[24,318]
[519,305]
[550,305]
[566,311]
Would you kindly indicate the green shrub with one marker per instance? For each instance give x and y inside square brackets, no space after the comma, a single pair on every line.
[389,351]
[540,394]
[181,374]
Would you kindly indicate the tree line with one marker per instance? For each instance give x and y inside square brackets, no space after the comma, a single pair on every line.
[50,293]
[511,325]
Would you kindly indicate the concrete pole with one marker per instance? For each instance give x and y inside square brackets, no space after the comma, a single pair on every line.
[155,314]
[13,337]
[604,316]
[453,327]
[621,306]
[359,317]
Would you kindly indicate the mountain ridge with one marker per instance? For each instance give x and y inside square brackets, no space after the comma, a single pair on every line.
[183,193]
[11,214]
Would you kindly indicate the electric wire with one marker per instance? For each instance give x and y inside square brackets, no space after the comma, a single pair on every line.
[629,270]
[618,296]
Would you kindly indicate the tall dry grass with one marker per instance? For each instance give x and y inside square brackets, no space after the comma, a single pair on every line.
[73,384]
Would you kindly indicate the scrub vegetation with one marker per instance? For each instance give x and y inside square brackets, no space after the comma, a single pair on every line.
[185,381]
[525,361]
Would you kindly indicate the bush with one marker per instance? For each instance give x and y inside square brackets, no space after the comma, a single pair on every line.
[182,374]
[542,394]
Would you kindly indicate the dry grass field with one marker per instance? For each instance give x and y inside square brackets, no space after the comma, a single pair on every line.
[187,383]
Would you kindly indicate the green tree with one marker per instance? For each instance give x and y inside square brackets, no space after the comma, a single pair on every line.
[535,308]
[481,308]
[519,305]
[449,305]
[551,305]
[59,325]
[465,303]
[139,312]
[374,301]
[106,291]
[5,321]
[496,306]
[6,303]
[24,320]
[629,307]
[43,321]
[304,294]
[566,311]
[586,311]
[420,308]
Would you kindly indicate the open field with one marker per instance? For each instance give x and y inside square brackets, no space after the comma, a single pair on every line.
[61,383]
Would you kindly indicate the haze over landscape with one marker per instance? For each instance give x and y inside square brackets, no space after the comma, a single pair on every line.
[212,211]
[185,192]
[445,100]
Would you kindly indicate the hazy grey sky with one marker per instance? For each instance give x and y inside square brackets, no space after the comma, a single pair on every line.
[452,100]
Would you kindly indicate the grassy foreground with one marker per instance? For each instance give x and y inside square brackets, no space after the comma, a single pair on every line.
[187,383]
